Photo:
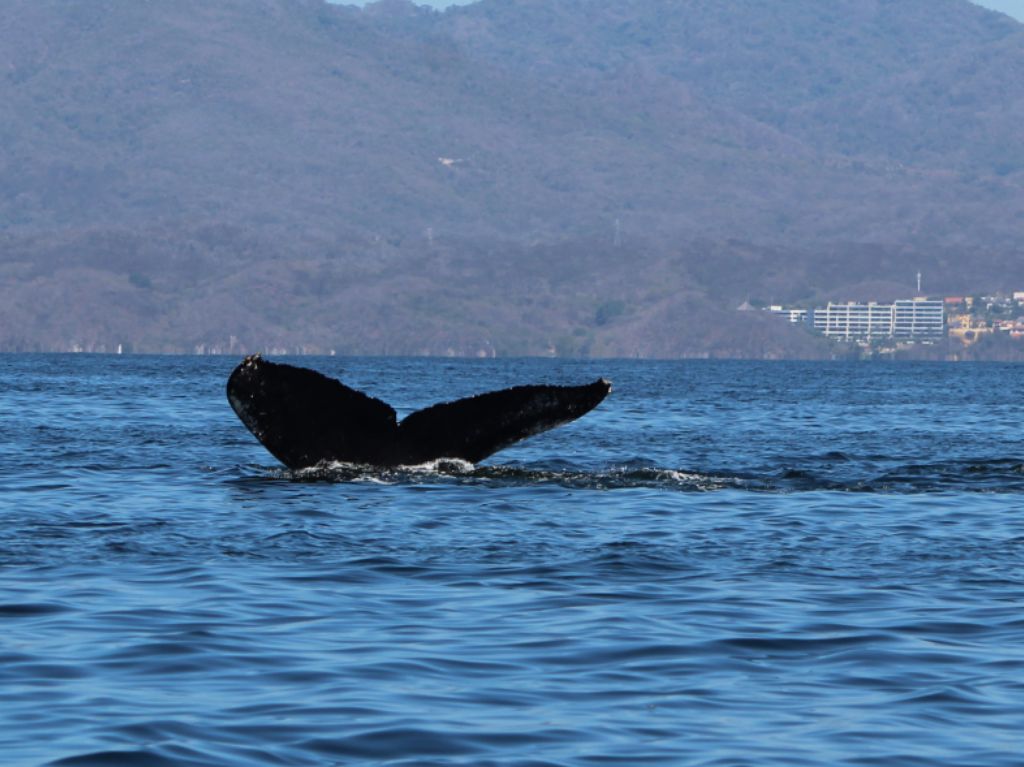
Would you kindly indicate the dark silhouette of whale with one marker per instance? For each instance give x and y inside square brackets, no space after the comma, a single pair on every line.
[304,418]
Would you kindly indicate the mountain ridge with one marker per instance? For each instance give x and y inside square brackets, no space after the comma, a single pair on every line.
[184,157]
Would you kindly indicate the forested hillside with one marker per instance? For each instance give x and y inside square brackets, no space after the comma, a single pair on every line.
[603,177]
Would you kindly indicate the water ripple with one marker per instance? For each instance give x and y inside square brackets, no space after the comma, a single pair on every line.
[822,568]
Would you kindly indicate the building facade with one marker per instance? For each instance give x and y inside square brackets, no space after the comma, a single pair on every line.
[915,319]
[795,316]
[918,319]
[851,321]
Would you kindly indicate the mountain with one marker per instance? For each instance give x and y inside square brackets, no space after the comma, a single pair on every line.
[509,177]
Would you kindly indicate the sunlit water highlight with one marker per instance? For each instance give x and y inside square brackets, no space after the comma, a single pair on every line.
[724,564]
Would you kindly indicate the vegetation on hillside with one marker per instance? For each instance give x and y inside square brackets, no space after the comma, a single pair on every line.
[508,177]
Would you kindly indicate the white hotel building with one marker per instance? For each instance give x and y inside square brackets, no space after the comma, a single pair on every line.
[917,319]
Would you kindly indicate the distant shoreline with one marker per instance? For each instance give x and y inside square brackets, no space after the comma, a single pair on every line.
[838,358]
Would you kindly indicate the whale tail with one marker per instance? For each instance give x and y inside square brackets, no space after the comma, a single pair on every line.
[304,418]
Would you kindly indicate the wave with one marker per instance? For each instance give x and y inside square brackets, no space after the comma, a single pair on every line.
[995,475]
[459,471]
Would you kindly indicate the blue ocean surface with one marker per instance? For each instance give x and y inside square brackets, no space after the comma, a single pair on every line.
[726,563]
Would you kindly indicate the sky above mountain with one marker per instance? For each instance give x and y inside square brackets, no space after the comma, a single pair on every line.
[1013,8]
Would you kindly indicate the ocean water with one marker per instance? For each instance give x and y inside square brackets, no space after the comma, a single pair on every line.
[726,563]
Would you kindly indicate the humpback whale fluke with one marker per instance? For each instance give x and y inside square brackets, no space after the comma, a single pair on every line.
[303,418]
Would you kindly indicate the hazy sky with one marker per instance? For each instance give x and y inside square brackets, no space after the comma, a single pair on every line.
[1014,8]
